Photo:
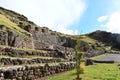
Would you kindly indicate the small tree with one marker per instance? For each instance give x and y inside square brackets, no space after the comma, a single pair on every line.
[78,63]
[79,60]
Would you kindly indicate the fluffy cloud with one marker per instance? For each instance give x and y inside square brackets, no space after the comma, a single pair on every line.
[113,23]
[102,18]
[56,14]
[62,28]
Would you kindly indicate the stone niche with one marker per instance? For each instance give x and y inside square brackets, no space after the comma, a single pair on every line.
[1,27]
[29,28]
[36,28]
[44,30]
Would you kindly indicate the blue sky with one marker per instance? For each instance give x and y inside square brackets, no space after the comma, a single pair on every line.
[70,16]
[94,10]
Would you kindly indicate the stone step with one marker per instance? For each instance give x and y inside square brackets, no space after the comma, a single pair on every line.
[28,57]
[33,72]
[34,65]
[23,53]
[5,60]
[23,49]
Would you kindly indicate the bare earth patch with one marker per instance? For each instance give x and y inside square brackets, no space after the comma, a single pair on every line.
[110,57]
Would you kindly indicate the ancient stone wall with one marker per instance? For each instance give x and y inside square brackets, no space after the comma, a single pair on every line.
[40,38]
[10,38]
[20,61]
[35,54]
[22,53]
[18,41]
[39,45]
[3,38]
[44,35]
[33,72]
[18,64]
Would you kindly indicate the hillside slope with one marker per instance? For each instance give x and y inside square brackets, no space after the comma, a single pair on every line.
[19,31]
[106,38]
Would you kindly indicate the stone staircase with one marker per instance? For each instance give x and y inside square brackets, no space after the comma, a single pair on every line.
[17,64]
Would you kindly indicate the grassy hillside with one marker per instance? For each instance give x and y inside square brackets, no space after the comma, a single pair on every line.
[12,26]
[107,38]
[95,39]
[10,14]
[96,45]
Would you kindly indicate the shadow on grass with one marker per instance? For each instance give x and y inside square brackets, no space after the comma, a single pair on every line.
[72,74]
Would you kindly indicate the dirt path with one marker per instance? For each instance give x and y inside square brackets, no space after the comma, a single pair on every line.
[110,57]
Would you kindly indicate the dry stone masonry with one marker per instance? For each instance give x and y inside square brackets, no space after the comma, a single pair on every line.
[23,53]
[18,64]
[33,72]
[32,52]
[21,61]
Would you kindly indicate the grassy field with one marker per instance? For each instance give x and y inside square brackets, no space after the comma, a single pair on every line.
[93,72]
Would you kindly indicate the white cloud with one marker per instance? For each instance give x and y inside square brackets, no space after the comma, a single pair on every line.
[102,18]
[113,23]
[62,28]
[116,4]
[50,13]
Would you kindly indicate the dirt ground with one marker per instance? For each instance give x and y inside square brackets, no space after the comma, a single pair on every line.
[110,57]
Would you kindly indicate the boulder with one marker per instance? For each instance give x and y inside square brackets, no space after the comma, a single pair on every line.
[89,62]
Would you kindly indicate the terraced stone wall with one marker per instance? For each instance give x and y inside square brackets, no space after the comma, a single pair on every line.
[33,72]
[21,61]
[18,64]
[24,53]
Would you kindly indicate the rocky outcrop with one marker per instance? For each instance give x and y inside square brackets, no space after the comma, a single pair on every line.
[16,40]
[10,38]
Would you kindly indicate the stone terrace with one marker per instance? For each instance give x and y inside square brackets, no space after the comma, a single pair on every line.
[16,64]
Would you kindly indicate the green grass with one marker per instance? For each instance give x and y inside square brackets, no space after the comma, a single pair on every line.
[99,56]
[43,57]
[93,72]
[70,75]
[27,57]
[87,39]
[115,51]
[102,72]
[1,64]
[97,45]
